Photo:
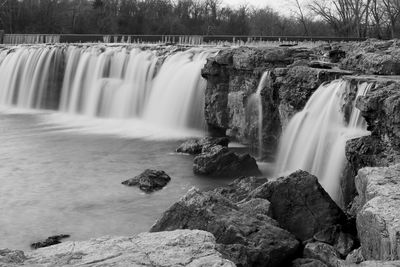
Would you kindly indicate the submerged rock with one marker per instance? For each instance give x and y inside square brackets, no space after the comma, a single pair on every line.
[244,238]
[300,204]
[169,249]
[149,180]
[378,222]
[195,146]
[50,241]
[219,161]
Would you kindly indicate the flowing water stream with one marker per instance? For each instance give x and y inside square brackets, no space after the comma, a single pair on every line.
[78,120]
[315,138]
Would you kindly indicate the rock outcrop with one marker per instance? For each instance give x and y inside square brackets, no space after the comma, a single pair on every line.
[174,248]
[300,204]
[196,146]
[234,75]
[372,57]
[220,161]
[149,180]
[378,221]
[245,238]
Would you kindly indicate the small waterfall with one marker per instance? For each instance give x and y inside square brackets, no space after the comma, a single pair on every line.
[255,102]
[122,82]
[315,138]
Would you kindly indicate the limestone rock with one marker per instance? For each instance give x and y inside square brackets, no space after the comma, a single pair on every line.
[378,222]
[245,239]
[219,161]
[175,248]
[149,180]
[195,146]
[300,204]
[373,57]
[380,107]
[9,257]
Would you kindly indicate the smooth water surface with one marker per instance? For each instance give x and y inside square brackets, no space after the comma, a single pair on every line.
[63,179]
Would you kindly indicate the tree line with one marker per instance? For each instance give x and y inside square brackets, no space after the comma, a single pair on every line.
[344,18]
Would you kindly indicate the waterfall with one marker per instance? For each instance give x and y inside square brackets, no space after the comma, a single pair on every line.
[315,138]
[115,82]
[255,102]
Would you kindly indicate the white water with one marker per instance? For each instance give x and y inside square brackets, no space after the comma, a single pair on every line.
[108,82]
[315,138]
[255,101]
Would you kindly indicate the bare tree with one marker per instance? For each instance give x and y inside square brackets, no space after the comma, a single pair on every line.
[298,10]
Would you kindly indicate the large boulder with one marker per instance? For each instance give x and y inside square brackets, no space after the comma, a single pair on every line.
[220,161]
[246,239]
[149,180]
[378,222]
[300,204]
[175,248]
[195,146]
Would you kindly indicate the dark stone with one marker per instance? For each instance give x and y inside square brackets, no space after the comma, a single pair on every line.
[245,239]
[50,241]
[300,204]
[337,236]
[306,262]
[336,55]
[149,180]
[321,64]
[323,252]
[219,161]
[195,146]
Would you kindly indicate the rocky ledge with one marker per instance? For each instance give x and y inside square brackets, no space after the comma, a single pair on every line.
[378,219]
[233,77]
[174,248]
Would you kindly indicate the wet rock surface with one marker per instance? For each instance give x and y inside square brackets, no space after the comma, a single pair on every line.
[149,180]
[196,146]
[220,161]
[174,248]
[245,238]
[300,204]
[50,241]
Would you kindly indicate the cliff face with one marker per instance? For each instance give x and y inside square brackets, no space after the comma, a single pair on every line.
[234,75]
[380,107]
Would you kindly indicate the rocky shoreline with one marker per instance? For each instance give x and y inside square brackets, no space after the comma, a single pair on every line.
[280,221]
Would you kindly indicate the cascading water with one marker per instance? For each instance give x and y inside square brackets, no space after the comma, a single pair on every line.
[255,101]
[315,138]
[107,81]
